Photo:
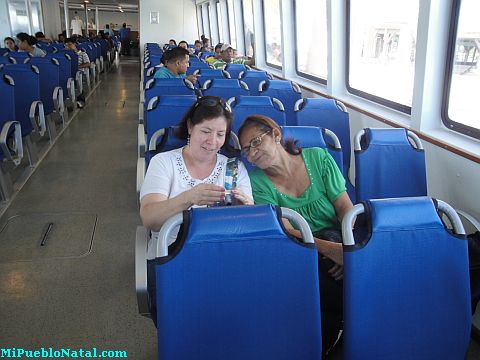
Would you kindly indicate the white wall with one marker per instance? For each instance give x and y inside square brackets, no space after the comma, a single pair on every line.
[177,20]
[106,17]
[52,19]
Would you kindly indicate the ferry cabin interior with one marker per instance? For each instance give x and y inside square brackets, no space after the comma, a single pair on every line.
[69,209]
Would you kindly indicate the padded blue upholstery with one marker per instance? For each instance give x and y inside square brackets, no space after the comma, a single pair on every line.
[235,69]
[225,88]
[65,70]
[7,111]
[197,66]
[166,143]
[238,289]
[389,166]
[244,106]
[209,74]
[167,87]
[73,63]
[253,78]
[283,90]
[19,57]
[49,79]
[406,290]
[310,136]
[27,90]
[167,111]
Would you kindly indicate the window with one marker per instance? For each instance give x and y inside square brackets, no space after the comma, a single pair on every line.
[231,24]
[382,39]
[36,16]
[199,20]
[17,11]
[463,76]
[273,32]
[220,24]
[210,24]
[311,38]
[248,26]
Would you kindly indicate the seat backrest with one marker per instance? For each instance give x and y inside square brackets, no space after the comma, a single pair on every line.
[73,63]
[197,66]
[209,74]
[387,165]
[239,287]
[284,90]
[164,111]
[234,70]
[49,79]
[206,54]
[7,110]
[19,57]
[244,106]
[312,136]
[65,69]
[159,87]
[329,114]
[225,88]
[253,78]
[27,90]
[406,282]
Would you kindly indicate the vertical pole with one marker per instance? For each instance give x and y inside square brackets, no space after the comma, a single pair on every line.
[96,20]
[28,5]
[86,19]
[67,18]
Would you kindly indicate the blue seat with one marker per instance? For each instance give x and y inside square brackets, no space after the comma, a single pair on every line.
[236,69]
[165,111]
[329,114]
[206,54]
[284,90]
[244,106]
[6,60]
[209,74]
[159,87]
[387,165]
[27,97]
[312,136]
[406,282]
[239,287]
[19,57]
[253,78]
[197,66]
[65,72]
[4,51]
[225,88]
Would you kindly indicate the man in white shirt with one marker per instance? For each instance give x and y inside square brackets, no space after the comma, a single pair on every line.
[76,25]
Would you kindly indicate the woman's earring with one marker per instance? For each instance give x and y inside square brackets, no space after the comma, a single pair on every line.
[188,140]
[277,141]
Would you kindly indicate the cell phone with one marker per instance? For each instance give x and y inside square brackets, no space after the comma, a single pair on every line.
[231,174]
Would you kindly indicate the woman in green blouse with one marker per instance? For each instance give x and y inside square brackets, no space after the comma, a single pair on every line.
[309,182]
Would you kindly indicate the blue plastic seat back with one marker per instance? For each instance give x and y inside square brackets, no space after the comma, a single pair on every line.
[194,60]
[235,69]
[389,166]
[4,51]
[168,141]
[86,47]
[7,94]
[197,66]
[49,79]
[240,288]
[165,111]
[73,62]
[311,136]
[5,60]
[65,69]
[26,90]
[406,285]
[161,87]
[244,106]
[19,57]
[206,54]
[224,88]
[155,59]
[284,91]
[58,46]
[209,74]
[253,78]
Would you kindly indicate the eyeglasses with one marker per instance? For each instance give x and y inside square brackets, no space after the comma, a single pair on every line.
[212,101]
[254,143]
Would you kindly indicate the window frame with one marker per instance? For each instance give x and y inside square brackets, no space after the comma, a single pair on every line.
[297,71]
[449,66]
[230,24]
[243,27]
[278,67]
[363,94]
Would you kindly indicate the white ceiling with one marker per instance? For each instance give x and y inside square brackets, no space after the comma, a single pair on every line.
[106,5]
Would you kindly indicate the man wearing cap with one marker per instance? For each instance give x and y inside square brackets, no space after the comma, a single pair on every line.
[226,54]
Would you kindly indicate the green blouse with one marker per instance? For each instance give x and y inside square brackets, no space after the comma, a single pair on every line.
[316,203]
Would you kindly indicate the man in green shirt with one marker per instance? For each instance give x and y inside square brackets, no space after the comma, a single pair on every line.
[226,54]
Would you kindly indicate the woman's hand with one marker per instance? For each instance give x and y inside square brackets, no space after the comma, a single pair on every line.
[331,250]
[336,272]
[241,197]
[205,194]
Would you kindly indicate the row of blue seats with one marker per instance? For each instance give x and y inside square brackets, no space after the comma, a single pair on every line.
[241,288]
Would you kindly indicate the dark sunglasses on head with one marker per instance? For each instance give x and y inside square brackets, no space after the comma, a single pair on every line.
[203,101]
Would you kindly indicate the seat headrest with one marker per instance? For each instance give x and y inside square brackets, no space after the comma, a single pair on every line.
[308,136]
[403,214]
[239,222]
[245,100]
[386,137]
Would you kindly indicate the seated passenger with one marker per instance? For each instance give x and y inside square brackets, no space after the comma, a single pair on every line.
[226,57]
[197,46]
[176,62]
[184,44]
[309,182]
[9,43]
[206,45]
[194,175]
[218,54]
[172,42]
[83,64]
[26,43]
[40,36]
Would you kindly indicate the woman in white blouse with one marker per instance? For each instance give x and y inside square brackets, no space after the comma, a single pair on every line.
[193,175]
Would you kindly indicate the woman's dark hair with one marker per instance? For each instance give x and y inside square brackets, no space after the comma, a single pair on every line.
[183,42]
[264,124]
[206,108]
[25,37]
[8,38]
[198,42]
[39,35]
[174,42]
